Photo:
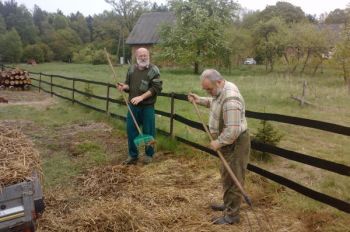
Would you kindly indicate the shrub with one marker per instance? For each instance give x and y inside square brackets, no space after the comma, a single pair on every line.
[84,55]
[48,53]
[33,52]
[99,57]
[269,135]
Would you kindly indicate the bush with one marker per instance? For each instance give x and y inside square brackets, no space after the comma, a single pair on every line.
[34,52]
[269,135]
[83,56]
[99,57]
[48,53]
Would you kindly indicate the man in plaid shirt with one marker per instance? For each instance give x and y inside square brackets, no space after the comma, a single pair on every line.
[228,126]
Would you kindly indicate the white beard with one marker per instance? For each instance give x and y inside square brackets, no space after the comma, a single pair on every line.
[142,64]
[219,91]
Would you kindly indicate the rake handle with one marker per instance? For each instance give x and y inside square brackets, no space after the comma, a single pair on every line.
[124,97]
[226,165]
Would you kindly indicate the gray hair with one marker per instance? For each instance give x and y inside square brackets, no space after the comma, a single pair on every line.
[211,74]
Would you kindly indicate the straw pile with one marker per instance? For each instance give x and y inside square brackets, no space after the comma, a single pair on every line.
[169,196]
[18,159]
[107,181]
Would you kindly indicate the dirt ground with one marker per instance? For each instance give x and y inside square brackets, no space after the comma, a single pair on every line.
[171,194]
[31,98]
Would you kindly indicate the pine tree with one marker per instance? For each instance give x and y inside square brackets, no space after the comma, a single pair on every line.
[269,135]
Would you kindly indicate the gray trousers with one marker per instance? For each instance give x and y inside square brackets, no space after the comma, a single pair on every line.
[237,156]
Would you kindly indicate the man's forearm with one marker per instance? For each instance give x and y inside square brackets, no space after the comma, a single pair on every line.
[204,101]
[146,95]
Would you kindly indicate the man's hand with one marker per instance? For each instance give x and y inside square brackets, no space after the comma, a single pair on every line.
[136,100]
[215,145]
[121,86]
[193,98]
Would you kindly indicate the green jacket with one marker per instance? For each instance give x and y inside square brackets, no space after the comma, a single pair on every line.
[141,81]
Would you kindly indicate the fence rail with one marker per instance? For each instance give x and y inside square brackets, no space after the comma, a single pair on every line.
[291,155]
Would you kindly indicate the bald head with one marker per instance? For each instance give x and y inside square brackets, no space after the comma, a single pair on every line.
[142,51]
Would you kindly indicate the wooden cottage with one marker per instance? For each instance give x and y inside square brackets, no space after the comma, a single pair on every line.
[145,32]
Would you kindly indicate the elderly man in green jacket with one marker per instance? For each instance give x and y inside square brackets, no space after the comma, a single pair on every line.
[143,85]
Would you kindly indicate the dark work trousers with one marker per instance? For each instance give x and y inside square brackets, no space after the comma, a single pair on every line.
[145,117]
[237,156]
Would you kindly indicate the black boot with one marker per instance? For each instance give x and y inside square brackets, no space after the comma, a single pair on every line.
[226,220]
[218,207]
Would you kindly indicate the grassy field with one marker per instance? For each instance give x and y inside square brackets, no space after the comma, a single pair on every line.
[263,93]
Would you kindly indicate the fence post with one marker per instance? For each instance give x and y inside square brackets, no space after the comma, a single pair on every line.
[107,101]
[2,67]
[172,114]
[39,82]
[73,92]
[51,85]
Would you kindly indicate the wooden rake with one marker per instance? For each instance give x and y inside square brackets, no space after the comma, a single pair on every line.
[234,178]
[223,160]
[141,139]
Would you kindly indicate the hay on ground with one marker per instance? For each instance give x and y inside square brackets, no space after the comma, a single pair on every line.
[18,158]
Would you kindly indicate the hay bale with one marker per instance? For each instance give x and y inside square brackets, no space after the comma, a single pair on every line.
[18,158]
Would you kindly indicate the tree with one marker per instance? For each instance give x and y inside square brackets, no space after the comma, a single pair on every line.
[20,18]
[107,31]
[342,52]
[250,19]
[11,46]
[33,52]
[129,11]
[198,34]
[39,18]
[159,8]
[63,43]
[270,43]
[284,10]
[240,41]
[306,44]
[337,16]
[79,24]
[48,54]
[60,21]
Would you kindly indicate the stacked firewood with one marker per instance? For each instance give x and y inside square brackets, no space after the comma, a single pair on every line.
[14,79]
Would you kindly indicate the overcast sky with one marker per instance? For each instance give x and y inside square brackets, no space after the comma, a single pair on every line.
[91,7]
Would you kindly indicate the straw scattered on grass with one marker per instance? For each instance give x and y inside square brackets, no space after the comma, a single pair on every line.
[18,158]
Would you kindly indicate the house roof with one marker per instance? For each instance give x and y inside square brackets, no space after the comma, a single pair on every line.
[146,28]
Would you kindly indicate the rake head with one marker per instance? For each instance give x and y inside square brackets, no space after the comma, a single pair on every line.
[146,140]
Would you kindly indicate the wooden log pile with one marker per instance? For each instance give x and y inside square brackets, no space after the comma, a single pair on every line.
[15,79]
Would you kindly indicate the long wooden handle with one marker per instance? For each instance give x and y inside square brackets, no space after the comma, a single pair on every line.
[227,167]
[124,97]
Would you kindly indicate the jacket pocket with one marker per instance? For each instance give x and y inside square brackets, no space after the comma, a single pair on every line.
[144,85]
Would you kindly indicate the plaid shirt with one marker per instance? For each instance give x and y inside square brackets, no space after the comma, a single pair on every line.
[227,114]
